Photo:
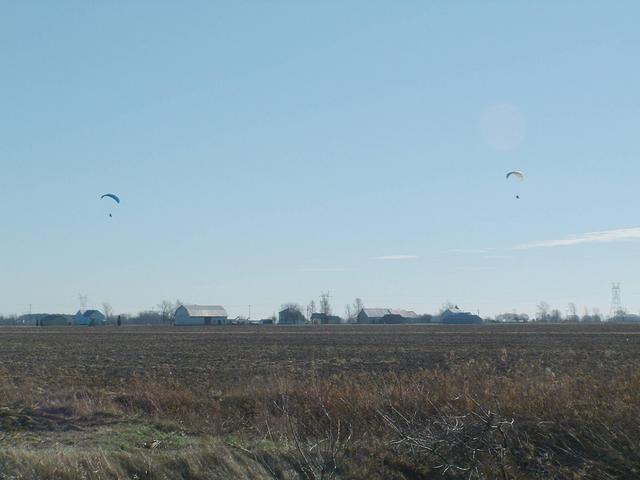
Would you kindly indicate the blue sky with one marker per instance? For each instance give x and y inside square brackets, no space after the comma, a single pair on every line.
[267,151]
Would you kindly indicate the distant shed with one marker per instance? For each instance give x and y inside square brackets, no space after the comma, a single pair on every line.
[201,315]
[31,318]
[386,316]
[291,316]
[324,319]
[56,320]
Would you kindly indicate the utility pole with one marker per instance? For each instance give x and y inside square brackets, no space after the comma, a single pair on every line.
[249,317]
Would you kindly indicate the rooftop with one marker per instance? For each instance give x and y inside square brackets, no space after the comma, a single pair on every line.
[205,310]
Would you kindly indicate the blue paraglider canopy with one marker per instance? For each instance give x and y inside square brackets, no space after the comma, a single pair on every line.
[112,196]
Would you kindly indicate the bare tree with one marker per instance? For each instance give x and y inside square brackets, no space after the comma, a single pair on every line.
[447,306]
[348,313]
[325,306]
[311,308]
[543,312]
[555,316]
[358,305]
[167,310]
[292,306]
[357,308]
[352,310]
[108,310]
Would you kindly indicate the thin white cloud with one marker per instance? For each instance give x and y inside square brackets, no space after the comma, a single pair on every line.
[396,257]
[606,236]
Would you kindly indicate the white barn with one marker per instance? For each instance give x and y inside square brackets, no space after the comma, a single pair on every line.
[201,315]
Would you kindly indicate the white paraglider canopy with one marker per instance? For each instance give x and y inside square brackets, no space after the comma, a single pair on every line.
[516,174]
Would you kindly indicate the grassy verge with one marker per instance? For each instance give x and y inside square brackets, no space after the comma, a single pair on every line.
[472,420]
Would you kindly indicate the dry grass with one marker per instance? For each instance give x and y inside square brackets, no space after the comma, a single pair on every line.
[490,409]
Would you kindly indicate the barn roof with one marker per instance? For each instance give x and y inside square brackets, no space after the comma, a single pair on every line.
[381,312]
[291,309]
[205,310]
[452,312]
[375,312]
[403,313]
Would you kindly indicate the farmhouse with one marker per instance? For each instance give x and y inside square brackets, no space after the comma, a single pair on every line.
[291,316]
[89,318]
[386,315]
[456,317]
[201,315]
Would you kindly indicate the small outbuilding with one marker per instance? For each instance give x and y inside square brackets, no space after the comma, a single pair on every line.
[31,319]
[201,315]
[386,316]
[56,320]
[324,319]
[456,317]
